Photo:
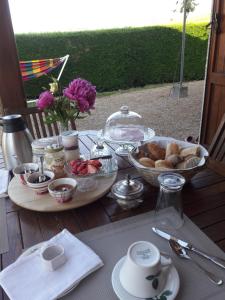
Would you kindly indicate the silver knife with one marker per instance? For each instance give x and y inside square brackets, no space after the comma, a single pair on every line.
[216,260]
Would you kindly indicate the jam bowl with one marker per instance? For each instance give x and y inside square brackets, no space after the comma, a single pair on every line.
[40,186]
[62,189]
[24,170]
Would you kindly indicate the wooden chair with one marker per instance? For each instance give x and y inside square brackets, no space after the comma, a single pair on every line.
[217,150]
[34,119]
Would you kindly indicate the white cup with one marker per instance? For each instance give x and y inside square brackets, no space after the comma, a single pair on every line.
[70,139]
[143,275]
[53,257]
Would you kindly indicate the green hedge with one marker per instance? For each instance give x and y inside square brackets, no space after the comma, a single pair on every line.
[119,58]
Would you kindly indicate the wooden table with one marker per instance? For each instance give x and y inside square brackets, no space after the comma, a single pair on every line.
[204,204]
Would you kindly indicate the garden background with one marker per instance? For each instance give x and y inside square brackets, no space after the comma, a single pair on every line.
[119,58]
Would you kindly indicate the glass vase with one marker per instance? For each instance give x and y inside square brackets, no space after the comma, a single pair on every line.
[63,126]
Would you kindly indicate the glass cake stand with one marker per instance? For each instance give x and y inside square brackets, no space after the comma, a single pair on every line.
[132,138]
[126,128]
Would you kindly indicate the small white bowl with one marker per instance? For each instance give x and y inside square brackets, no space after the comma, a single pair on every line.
[24,171]
[62,189]
[40,188]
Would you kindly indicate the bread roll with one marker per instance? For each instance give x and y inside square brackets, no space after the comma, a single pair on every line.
[141,154]
[172,148]
[150,155]
[189,163]
[181,165]
[190,150]
[192,162]
[189,156]
[147,162]
[163,164]
[157,151]
[175,159]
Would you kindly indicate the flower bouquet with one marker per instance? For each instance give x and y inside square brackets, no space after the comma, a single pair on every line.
[73,102]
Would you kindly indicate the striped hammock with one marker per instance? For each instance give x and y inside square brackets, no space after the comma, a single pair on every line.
[35,68]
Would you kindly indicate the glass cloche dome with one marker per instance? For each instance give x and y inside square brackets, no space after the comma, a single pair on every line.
[127,129]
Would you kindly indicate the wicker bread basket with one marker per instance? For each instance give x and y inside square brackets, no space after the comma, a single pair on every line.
[151,174]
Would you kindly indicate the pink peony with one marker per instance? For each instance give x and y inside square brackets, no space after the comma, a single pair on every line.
[45,100]
[83,92]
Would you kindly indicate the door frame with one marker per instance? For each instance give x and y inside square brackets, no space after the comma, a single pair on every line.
[12,93]
[208,80]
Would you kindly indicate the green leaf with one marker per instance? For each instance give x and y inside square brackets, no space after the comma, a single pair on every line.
[167,293]
[150,277]
[155,283]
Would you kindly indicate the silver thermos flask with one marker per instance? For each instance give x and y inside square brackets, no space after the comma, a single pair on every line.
[16,141]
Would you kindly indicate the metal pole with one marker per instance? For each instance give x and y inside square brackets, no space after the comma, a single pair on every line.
[183,47]
[63,66]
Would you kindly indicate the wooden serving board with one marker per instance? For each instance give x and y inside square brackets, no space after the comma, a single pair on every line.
[25,197]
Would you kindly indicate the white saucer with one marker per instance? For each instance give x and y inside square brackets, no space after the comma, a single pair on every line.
[171,287]
[36,248]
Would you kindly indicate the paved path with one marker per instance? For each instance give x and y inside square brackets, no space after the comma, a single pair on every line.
[178,118]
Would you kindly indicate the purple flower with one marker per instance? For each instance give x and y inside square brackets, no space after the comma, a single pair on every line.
[45,100]
[83,92]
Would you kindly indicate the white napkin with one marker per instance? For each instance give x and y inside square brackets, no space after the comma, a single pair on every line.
[4,182]
[27,278]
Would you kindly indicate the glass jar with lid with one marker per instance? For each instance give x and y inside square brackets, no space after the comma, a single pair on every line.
[102,152]
[55,159]
[39,145]
[126,128]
